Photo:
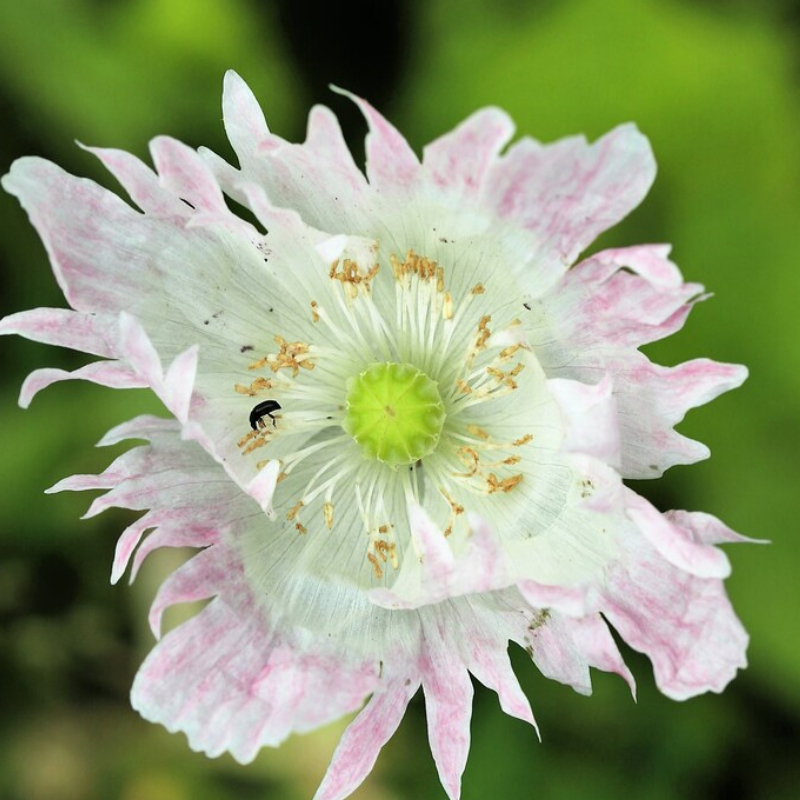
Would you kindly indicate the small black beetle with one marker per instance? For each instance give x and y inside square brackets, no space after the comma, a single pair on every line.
[267,407]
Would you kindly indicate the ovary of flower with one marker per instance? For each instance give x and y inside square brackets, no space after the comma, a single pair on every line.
[458,409]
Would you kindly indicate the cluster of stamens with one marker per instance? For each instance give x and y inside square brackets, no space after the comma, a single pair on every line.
[427,330]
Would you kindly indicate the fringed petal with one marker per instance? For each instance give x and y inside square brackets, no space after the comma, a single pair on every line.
[391,163]
[233,682]
[437,574]
[184,173]
[141,183]
[245,124]
[569,192]
[90,333]
[488,661]
[675,542]
[113,374]
[459,160]
[361,743]
[592,322]
[204,575]
[448,704]
[685,624]
[591,418]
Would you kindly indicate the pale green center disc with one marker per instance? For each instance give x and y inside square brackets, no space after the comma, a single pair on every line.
[395,412]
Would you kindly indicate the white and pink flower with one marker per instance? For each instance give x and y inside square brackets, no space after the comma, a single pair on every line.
[455,408]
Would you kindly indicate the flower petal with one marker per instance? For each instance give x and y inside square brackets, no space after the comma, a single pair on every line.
[436,574]
[140,182]
[459,160]
[707,529]
[114,374]
[391,163]
[232,682]
[203,576]
[91,333]
[591,323]
[448,704]
[361,743]
[81,225]
[183,172]
[675,542]
[591,418]
[685,624]
[318,179]
[652,399]
[245,124]
[488,661]
[569,192]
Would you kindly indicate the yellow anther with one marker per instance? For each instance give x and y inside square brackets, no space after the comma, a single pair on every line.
[476,430]
[447,306]
[376,566]
[469,458]
[483,332]
[507,352]
[295,510]
[246,438]
[504,485]
[351,276]
[254,445]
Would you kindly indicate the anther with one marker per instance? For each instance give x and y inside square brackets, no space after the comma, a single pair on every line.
[327,512]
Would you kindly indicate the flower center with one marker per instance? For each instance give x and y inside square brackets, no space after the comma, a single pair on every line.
[395,412]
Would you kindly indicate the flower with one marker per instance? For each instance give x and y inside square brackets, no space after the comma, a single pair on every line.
[400,425]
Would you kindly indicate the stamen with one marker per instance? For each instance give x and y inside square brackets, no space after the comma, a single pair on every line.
[295,510]
[376,566]
[435,333]
[475,430]
[504,485]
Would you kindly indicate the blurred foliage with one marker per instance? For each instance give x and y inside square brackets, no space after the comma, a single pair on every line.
[714,85]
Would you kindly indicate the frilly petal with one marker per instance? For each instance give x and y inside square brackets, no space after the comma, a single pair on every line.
[459,160]
[361,743]
[113,374]
[592,322]
[438,574]
[91,333]
[391,163]
[184,173]
[675,542]
[232,681]
[569,192]
[204,575]
[140,182]
[685,624]
[564,648]
[448,704]
[245,124]
[591,418]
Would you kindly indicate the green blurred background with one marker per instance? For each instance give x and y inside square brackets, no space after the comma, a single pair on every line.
[714,84]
